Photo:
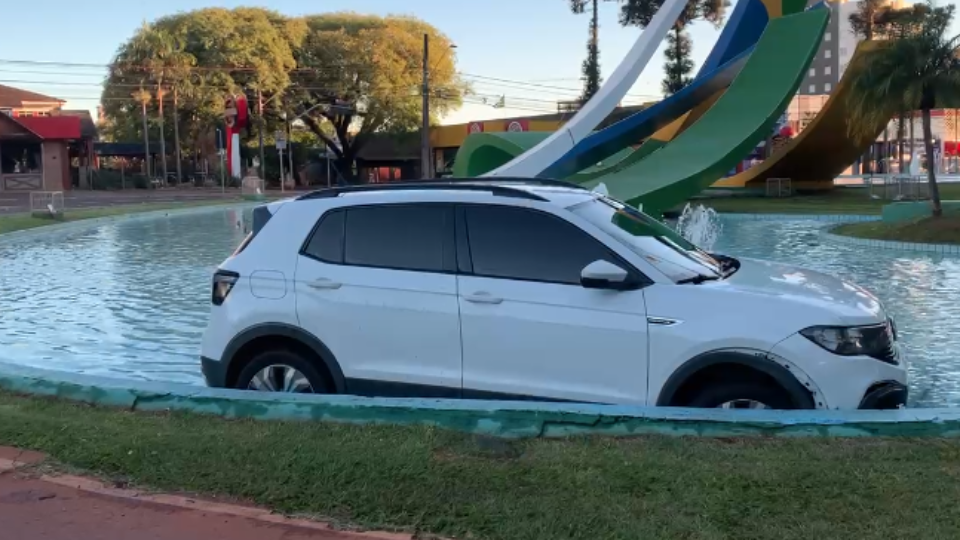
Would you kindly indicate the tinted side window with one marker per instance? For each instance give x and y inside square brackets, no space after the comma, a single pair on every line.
[515,243]
[326,243]
[403,237]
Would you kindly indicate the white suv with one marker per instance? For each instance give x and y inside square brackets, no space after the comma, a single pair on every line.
[530,289]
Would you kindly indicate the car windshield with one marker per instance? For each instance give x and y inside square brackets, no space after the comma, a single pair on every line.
[659,245]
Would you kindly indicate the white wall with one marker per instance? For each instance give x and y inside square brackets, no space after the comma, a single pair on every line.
[847,39]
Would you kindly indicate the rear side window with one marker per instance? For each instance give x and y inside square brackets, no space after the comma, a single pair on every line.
[326,243]
[516,243]
[418,237]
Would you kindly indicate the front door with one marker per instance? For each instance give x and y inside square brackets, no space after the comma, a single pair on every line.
[376,284]
[529,328]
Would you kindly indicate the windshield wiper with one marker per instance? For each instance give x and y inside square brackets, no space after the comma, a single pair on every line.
[698,279]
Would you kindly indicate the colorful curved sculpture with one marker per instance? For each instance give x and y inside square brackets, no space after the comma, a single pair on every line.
[733,126]
[557,144]
[692,138]
[742,31]
[822,151]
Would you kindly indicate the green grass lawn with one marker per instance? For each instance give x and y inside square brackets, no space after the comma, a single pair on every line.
[16,222]
[430,480]
[838,201]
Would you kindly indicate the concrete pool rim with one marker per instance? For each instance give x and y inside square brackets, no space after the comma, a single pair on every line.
[492,418]
[496,418]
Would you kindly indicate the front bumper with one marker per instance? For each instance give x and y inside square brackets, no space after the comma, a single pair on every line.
[885,396]
[844,383]
[214,372]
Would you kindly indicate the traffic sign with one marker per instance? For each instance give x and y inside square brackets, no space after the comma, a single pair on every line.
[281,139]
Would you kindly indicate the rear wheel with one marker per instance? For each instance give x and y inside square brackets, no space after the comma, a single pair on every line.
[742,396]
[282,371]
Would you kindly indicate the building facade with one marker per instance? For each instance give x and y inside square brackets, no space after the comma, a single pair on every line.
[836,49]
[42,146]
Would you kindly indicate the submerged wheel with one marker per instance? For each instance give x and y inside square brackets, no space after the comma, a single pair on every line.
[282,371]
[742,396]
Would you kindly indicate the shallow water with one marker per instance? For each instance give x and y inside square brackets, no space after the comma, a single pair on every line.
[130,298]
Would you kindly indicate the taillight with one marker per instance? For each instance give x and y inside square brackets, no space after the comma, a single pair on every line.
[223,282]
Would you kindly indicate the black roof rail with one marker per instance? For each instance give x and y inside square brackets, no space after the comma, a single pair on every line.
[496,189]
[498,185]
[550,182]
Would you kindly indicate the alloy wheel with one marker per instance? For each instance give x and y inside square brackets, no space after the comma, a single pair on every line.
[280,378]
[743,404]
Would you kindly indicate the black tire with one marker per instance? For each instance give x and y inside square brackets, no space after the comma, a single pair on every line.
[319,383]
[717,394]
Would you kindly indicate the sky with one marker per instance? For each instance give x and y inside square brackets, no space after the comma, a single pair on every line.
[529,51]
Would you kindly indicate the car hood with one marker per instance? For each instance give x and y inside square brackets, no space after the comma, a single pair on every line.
[845,303]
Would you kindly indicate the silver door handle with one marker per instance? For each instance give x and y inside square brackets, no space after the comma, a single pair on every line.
[482,298]
[324,284]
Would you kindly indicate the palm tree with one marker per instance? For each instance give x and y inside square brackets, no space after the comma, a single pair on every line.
[917,71]
[877,19]
[865,20]
[161,56]
[143,97]
[591,65]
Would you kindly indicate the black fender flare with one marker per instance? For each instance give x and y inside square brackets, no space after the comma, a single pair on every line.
[292,332]
[759,361]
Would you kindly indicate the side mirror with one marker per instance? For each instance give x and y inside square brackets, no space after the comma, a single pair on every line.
[601,274]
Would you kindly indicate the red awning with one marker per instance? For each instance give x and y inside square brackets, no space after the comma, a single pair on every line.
[52,127]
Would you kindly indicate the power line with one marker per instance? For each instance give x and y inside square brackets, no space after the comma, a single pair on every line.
[547,86]
[483,79]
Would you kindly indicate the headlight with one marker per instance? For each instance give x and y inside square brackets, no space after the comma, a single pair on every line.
[875,341]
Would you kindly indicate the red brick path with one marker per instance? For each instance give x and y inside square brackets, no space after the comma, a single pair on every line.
[75,508]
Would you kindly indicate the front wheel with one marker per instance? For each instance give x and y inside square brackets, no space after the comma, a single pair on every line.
[282,371]
[742,396]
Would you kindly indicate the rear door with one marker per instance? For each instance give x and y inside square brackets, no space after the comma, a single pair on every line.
[377,285]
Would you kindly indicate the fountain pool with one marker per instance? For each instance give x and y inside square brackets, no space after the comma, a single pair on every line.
[130,298]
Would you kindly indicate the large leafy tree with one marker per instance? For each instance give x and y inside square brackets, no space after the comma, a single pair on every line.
[200,57]
[591,64]
[361,74]
[679,64]
[916,71]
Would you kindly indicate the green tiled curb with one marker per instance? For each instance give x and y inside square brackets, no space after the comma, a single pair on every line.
[81,224]
[496,418]
[835,218]
[946,249]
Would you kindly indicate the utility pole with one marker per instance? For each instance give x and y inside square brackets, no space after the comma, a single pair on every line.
[146,138]
[263,160]
[163,143]
[176,135]
[222,151]
[290,152]
[425,161]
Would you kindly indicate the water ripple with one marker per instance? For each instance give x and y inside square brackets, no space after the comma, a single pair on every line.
[127,299]
[130,299]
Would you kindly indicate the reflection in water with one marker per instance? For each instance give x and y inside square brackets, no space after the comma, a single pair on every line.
[130,299]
